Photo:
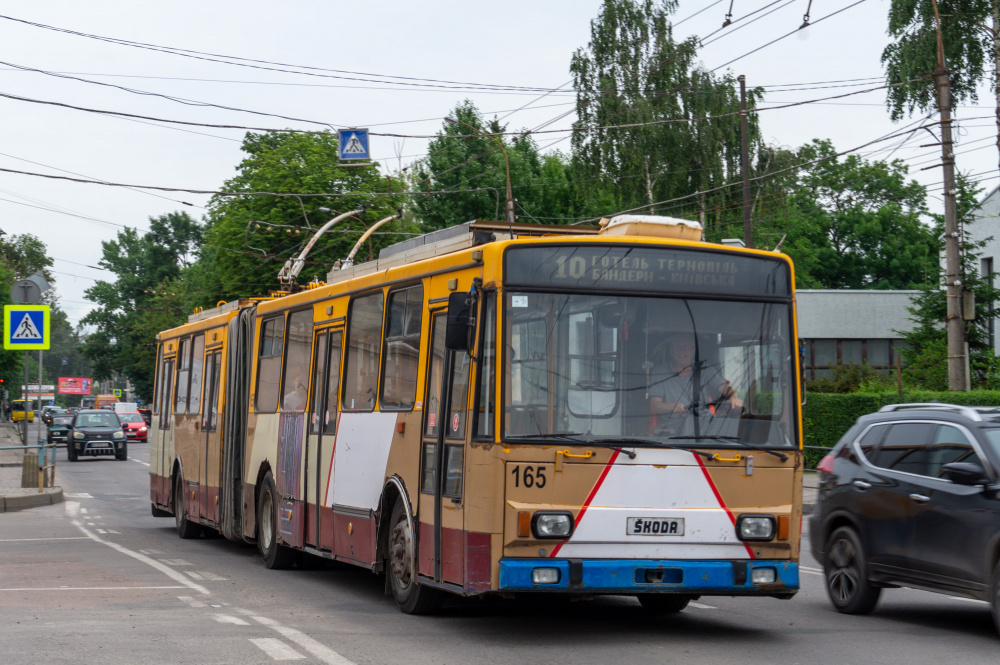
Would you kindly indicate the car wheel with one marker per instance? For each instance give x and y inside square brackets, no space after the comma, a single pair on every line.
[275,555]
[663,603]
[70,450]
[845,568]
[122,453]
[411,597]
[995,596]
[186,529]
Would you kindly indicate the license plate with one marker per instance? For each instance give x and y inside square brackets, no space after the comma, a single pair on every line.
[655,526]
[100,445]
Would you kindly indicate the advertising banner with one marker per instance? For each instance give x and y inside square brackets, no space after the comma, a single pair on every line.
[74,385]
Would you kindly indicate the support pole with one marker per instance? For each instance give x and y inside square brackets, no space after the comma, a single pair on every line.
[745,162]
[24,420]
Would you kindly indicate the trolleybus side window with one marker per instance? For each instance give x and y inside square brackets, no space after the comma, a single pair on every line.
[432,402]
[319,380]
[272,335]
[197,362]
[298,350]
[402,349]
[183,375]
[486,411]
[166,377]
[324,414]
[157,379]
[213,363]
[364,332]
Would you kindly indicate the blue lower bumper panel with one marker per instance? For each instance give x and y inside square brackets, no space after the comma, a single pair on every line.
[649,576]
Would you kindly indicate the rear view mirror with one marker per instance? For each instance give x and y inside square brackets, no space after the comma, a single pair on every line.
[963,473]
[461,321]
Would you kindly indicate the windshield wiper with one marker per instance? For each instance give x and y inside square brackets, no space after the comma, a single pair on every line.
[572,437]
[735,439]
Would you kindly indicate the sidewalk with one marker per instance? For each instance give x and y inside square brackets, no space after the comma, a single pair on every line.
[810,486]
[12,495]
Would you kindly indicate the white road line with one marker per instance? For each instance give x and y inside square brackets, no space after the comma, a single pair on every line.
[277,649]
[702,606]
[139,461]
[77,495]
[225,618]
[83,510]
[102,531]
[113,531]
[166,570]
[212,577]
[317,649]
[43,540]
[191,601]
[150,552]
[810,571]
[176,562]
[193,575]
[92,588]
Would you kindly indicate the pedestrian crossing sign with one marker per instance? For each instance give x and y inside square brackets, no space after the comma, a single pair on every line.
[26,327]
[353,144]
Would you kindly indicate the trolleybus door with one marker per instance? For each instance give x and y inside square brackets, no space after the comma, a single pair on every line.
[322,429]
[163,428]
[442,530]
[210,477]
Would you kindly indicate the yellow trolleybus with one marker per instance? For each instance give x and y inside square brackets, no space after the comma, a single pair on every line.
[497,409]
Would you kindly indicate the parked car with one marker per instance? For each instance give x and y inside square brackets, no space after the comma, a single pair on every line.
[60,426]
[96,432]
[910,497]
[147,415]
[134,426]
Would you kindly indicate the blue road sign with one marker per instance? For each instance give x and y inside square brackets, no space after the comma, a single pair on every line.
[26,327]
[353,144]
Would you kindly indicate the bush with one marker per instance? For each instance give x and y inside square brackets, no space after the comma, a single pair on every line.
[827,416]
[851,378]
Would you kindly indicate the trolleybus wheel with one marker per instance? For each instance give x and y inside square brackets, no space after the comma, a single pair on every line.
[411,597]
[275,556]
[664,603]
[846,571]
[186,529]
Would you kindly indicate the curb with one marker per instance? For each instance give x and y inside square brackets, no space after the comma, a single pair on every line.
[15,502]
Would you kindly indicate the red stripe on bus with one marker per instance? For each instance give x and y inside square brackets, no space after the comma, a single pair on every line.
[715,490]
[590,497]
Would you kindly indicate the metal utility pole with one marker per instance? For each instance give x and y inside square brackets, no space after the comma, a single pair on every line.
[952,249]
[745,161]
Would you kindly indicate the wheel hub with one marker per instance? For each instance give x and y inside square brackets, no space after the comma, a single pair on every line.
[400,560]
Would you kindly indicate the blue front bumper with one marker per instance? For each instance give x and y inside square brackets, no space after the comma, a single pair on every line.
[626,576]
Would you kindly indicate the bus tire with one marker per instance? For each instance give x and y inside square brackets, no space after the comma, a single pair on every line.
[186,529]
[411,597]
[275,555]
[663,603]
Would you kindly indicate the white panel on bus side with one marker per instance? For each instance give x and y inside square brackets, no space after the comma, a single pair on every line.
[360,459]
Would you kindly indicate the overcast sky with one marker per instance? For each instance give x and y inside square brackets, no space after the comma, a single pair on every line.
[516,43]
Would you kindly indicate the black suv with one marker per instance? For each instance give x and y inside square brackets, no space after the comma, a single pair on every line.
[96,432]
[910,497]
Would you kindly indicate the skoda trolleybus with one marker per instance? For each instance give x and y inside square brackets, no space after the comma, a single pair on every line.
[502,409]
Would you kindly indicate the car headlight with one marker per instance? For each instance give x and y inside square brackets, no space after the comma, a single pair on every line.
[755,527]
[142,429]
[552,525]
[118,435]
[79,435]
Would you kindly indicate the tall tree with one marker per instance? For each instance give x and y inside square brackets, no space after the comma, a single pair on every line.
[652,125]
[275,206]
[970,35]
[461,159]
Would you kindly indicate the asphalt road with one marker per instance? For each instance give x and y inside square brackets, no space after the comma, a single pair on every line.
[96,579]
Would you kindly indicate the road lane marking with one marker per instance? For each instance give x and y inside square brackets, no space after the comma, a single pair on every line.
[211,577]
[702,606]
[191,601]
[225,618]
[77,495]
[166,570]
[139,461]
[193,575]
[176,562]
[102,531]
[811,571]
[277,649]
[41,540]
[91,588]
[83,510]
[317,649]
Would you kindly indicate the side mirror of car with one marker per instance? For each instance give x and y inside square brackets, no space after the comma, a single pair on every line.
[963,473]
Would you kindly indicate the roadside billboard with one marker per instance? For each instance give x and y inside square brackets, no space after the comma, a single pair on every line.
[74,385]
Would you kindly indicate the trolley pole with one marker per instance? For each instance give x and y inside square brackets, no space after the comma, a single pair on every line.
[745,161]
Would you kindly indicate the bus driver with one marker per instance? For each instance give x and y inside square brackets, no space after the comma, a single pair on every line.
[672,390]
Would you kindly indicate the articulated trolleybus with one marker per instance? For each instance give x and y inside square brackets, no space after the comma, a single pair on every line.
[502,409]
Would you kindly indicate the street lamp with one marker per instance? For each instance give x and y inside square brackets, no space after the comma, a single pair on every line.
[509,204]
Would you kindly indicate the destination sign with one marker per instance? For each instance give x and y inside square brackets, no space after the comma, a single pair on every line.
[667,269]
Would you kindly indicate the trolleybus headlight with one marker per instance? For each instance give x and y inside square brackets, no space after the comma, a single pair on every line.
[552,525]
[545,576]
[763,575]
[755,527]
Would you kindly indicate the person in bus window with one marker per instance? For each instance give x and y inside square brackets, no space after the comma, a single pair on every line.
[295,398]
[672,388]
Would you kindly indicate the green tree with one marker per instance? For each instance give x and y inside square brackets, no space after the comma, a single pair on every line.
[461,159]
[683,131]
[25,255]
[274,210]
[926,357]
[141,263]
[853,224]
